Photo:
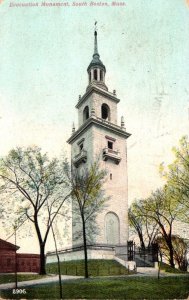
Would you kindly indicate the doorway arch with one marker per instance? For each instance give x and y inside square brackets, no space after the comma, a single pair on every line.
[112,228]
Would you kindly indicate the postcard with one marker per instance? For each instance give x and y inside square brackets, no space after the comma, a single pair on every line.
[94,117]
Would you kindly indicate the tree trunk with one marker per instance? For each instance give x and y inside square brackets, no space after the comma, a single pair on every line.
[85,248]
[42,270]
[58,261]
[171,254]
[42,259]
[142,245]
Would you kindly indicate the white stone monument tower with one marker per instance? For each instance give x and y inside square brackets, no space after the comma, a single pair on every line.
[99,135]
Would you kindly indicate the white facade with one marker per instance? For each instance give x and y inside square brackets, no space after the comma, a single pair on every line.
[100,137]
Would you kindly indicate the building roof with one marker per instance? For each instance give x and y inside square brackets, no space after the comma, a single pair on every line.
[96,62]
[7,246]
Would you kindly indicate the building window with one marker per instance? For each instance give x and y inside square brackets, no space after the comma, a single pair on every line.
[81,144]
[101,75]
[85,113]
[110,176]
[110,145]
[95,74]
[105,112]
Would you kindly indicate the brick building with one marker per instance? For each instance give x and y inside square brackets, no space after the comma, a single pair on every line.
[9,259]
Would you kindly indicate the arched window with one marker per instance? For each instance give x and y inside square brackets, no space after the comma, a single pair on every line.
[90,77]
[112,228]
[105,112]
[101,75]
[95,74]
[85,113]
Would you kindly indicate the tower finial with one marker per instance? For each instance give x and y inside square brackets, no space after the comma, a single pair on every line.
[95,24]
[95,39]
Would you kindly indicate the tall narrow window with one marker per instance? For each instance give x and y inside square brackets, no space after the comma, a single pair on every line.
[95,74]
[110,145]
[85,113]
[105,112]
[101,75]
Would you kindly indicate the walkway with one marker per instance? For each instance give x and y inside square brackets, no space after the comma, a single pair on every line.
[141,272]
[49,279]
[154,272]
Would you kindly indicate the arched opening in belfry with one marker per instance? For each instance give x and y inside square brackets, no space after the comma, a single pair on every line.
[85,113]
[101,75]
[90,77]
[95,74]
[105,112]
[112,229]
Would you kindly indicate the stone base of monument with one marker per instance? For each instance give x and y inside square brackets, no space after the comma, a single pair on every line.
[95,251]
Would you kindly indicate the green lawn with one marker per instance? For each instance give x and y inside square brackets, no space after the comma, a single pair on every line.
[6,278]
[111,288]
[96,268]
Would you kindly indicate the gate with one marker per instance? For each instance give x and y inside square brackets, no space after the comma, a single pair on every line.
[144,257]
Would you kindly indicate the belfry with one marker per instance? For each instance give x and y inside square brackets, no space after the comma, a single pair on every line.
[99,134]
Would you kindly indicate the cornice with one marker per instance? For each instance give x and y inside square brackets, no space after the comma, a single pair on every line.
[98,90]
[100,123]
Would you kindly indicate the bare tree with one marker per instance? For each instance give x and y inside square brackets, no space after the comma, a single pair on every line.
[163,208]
[89,198]
[179,250]
[146,228]
[33,181]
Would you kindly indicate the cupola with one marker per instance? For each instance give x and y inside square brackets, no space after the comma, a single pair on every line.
[96,70]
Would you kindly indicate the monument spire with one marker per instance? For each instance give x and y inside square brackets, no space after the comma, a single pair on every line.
[96,69]
[95,41]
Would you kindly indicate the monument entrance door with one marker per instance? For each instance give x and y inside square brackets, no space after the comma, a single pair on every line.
[112,230]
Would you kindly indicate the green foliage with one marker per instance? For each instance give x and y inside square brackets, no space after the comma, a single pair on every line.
[168,204]
[177,177]
[88,197]
[87,186]
[35,189]
[88,200]
[146,228]
[179,250]
[161,208]
[168,269]
[33,177]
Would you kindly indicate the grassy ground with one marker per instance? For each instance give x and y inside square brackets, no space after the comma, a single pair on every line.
[96,268]
[111,288]
[6,278]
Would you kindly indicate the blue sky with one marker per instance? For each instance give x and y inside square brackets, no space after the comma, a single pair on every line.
[44,55]
[144,45]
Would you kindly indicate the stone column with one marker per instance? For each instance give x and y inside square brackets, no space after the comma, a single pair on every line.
[92,75]
[98,74]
